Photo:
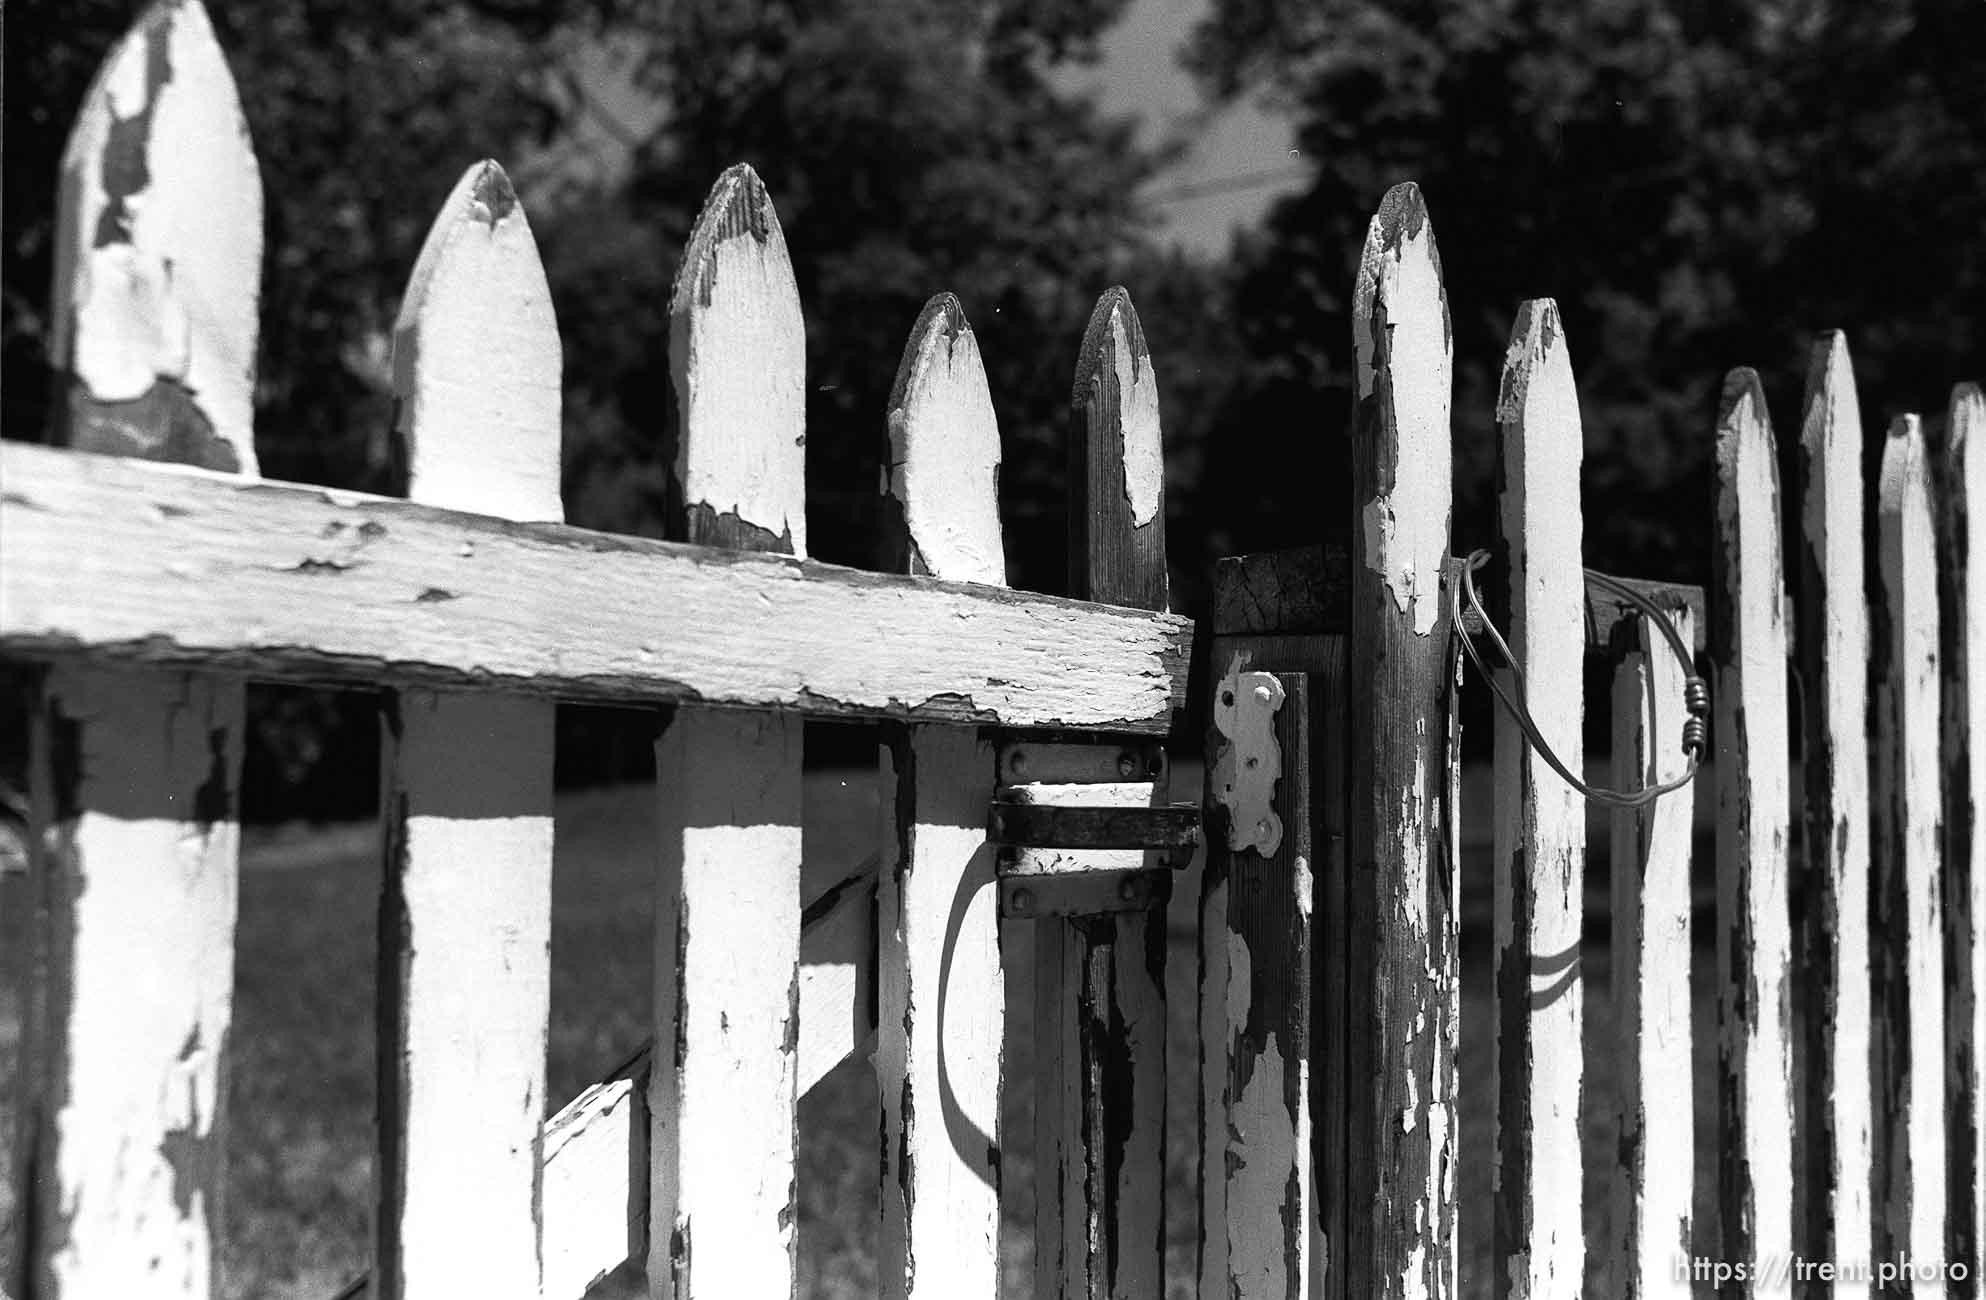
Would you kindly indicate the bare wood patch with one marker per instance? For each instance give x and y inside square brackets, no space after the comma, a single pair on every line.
[1748,656]
[1831,1098]
[1100,981]
[1652,1182]
[727,907]
[1957,479]
[942,997]
[1540,828]
[1399,1065]
[1907,914]
[134,776]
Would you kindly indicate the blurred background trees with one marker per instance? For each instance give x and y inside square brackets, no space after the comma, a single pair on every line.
[1699,185]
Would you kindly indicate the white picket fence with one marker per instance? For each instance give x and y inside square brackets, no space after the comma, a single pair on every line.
[1848,962]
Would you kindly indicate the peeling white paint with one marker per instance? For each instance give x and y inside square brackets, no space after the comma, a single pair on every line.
[1258,1187]
[1832,522]
[1908,813]
[1406,525]
[105,552]
[740,366]
[1754,802]
[945,455]
[152,903]
[1144,455]
[177,298]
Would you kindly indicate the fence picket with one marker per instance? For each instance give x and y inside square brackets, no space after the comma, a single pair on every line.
[1100,981]
[1831,1172]
[1962,644]
[134,775]
[1540,827]
[1748,656]
[1906,917]
[1260,1100]
[727,902]
[1650,857]
[1399,1077]
[466,791]
[942,999]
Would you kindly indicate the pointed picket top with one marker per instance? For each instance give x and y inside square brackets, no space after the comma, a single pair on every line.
[944,467]
[1832,873]
[738,353]
[1117,522]
[476,359]
[158,252]
[1906,917]
[1748,485]
[1405,348]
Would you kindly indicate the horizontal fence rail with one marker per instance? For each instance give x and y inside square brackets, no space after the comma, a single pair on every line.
[154,565]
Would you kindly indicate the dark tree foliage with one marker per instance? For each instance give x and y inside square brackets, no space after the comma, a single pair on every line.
[1698,185]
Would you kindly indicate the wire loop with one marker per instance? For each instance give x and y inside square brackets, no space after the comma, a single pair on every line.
[1696,691]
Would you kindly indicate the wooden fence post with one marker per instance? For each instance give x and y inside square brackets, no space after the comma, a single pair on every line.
[134,775]
[1540,828]
[466,791]
[942,999]
[1399,1068]
[1100,981]
[727,903]
[1831,948]
[1957,478]
[1906,917]
[1652,1181]
[1748,658]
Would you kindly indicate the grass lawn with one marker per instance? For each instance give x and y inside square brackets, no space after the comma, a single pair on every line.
[301,1055]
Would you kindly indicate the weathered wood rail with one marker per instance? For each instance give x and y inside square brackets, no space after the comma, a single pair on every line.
[148,573]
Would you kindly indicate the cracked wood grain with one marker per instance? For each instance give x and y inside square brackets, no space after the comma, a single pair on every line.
[1399,1062]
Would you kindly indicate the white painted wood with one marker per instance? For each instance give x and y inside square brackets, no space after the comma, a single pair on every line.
[133,858]
[134,775]
[1650,1183]
[1540,826]
[467,792]
[596,1147]
[161,282]
[945,450]
[1964,472]
[1833,649]
[1748,657]
[155,564]
[738,351]
[727,886]
[1400,1082]
[1908,912]
[942,998]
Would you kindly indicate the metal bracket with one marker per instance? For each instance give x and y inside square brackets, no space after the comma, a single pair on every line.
[1082,893]
[1249,762]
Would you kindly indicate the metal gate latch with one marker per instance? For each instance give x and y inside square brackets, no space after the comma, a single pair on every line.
[1249,762]
[1080,829]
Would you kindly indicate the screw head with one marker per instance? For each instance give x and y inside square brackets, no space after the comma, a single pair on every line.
[1263,695]
[1017,762]
[1021,902]
[1127,765]
[1262,829]
[1132,890]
